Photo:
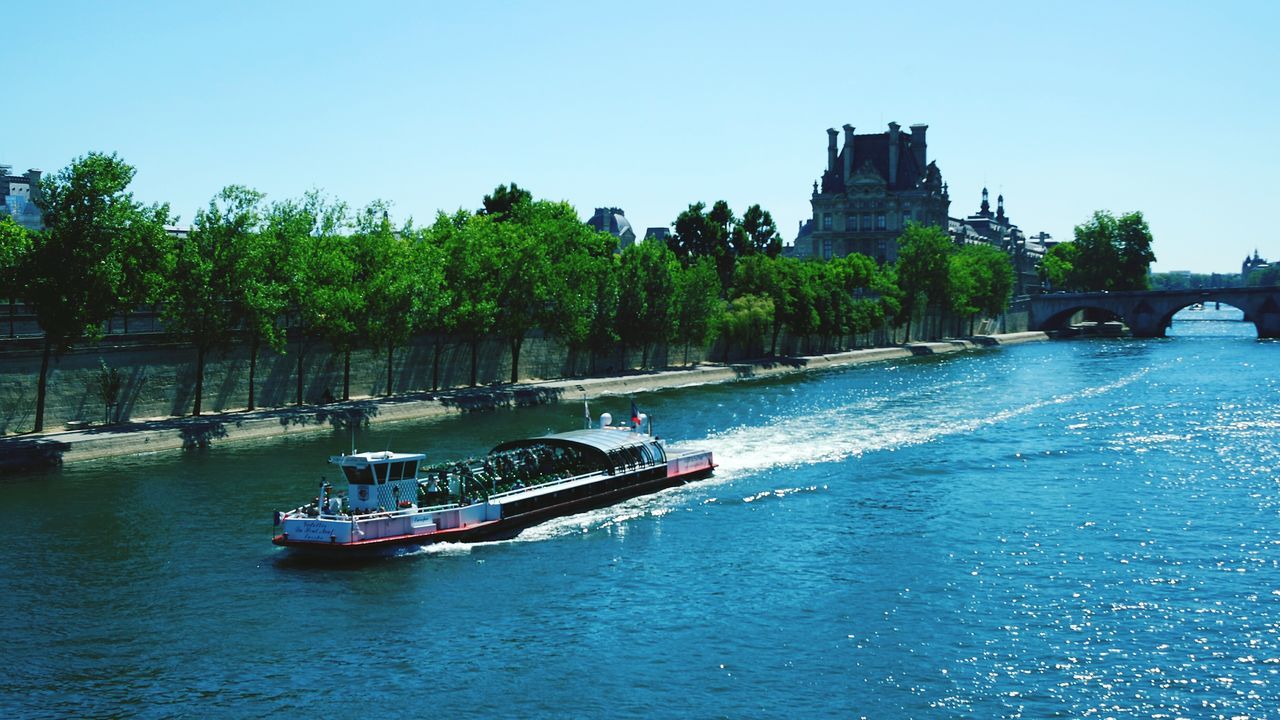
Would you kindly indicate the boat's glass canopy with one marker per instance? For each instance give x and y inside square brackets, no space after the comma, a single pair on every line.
[605,449]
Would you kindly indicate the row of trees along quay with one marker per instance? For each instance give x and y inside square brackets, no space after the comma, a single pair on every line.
[290,273]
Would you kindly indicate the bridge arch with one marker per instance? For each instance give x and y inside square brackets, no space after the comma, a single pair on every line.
[1167,320]
[1149,313]
[1060,320]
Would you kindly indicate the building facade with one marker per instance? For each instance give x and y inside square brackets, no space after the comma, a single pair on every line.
[18,194]
[873,186]
[614,222]
[1250,264]
[998,230]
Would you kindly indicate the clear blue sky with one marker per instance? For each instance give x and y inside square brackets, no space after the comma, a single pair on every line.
[1170,108]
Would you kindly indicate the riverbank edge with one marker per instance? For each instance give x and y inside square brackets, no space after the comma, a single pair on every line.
[23,451]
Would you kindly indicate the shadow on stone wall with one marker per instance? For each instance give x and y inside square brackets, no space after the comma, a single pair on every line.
[31,454]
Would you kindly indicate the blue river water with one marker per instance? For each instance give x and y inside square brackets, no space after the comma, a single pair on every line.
[1083,528]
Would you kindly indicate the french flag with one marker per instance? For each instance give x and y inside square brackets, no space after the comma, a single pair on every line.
[635,415]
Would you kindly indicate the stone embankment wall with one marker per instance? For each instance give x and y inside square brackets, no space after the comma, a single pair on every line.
[158,377]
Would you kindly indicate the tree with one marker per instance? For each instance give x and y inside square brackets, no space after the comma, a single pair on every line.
[744,320]
[763,276]
[981,280]
[468,244]
[261,295]
[99,255]
[1058,268]
[323,299]
[582,295]
[1108,253]
[1133,239]
[697,305]
[1269,275]
[402,278]
[15,244]
[761,233]
[202,280]
[923,269]
[647,297]
[504,200]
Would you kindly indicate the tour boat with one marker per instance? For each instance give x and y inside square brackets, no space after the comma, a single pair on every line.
[393,499]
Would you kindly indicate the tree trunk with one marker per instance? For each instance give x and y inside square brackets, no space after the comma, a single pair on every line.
[390,353]
[195,410]
[253,366]
[435,364]
[907,336]
[346,375]
[42,385]
[516,343]
[773,344]
[298,400]
[13,312]
[475,350]
[644,355]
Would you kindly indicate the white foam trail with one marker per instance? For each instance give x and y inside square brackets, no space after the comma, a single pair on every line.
[839,433]
[829,435]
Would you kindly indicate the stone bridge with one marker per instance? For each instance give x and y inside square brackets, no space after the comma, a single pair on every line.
[1148,313]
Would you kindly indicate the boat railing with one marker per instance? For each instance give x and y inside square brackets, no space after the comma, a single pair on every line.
[380,515]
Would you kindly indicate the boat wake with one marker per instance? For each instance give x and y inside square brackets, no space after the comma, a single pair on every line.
[849,430]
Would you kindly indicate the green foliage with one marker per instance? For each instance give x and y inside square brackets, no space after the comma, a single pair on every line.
[1058,268]
[647,308]
[15,245]
[760,234]
[718,234]
[698,305]
[1108,253]
[1269,275]
[504,201]
[923,269]
[99,254]
[205,273]
[981,280]
[744,320]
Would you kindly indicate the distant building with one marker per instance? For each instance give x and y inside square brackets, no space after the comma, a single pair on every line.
[657,233]
[17,197]
[1250,264]
[873,186]
[614,222]
[998,230]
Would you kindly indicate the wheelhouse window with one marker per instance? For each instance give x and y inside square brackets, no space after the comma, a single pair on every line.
[358,475]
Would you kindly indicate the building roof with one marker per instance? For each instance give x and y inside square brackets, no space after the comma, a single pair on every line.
[874,147]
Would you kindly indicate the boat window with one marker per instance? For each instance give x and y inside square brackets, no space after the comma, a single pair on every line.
[380,473]
[358,475]
[397,471]
[411,469]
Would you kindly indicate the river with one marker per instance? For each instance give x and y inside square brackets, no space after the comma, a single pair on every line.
[1065,529]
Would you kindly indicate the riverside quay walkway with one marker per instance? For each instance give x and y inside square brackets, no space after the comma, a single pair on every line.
[1148,313]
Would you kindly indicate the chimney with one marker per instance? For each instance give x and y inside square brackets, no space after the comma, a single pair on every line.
[848,152]
[893,153]
[33,178]
[831,149]
[918,145]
